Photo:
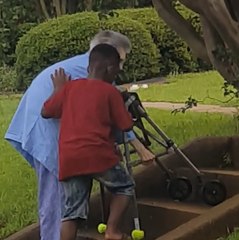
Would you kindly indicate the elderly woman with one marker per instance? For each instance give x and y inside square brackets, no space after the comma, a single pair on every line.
[36,139]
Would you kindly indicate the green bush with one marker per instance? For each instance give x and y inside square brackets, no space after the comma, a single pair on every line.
[51,42]
[175,54]
[69,35]
[14,14]
[8,79]
[142,63]
[8,41]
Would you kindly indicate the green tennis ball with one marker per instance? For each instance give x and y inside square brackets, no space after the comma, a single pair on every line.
[101,228]
[137,234]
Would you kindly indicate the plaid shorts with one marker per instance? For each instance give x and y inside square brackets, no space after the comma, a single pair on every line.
[77,190]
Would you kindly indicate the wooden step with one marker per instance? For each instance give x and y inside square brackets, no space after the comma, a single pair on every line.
[233,173]
[157,217]
[230,178]
[196,208]
[89,234]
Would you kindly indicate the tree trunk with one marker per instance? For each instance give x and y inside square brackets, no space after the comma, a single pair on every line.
[88,5]
[233,8]
[221,20]
[213,41]
[193,5]
[183,28]
[72,6]
[38,9]
[220,40]
[57,6]
[44,9]
[63,7]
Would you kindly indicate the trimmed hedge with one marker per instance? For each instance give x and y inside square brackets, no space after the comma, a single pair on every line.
[69,35]
[157,50]
[175,54]
[52,41]
[142,62]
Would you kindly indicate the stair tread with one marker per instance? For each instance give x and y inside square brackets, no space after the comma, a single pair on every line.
[221,171]
[192,207]
[89,234]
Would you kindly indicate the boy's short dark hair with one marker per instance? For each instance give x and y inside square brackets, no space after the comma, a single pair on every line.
[104,51]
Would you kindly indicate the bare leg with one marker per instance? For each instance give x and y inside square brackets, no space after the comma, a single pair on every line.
[118,205]
[69,230]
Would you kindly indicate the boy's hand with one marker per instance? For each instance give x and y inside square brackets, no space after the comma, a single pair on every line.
[59,78]
[146,156]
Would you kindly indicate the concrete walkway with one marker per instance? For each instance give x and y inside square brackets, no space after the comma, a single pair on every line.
[199,108]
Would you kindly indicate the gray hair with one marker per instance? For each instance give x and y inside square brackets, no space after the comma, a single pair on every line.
[115,39]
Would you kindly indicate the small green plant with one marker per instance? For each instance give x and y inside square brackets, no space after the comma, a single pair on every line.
[232,235]
[8,79]
[227,160]
[190,103]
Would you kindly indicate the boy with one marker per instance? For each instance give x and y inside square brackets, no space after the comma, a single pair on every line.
[86,141]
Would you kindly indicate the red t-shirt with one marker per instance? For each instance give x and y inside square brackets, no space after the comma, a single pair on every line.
[89,110]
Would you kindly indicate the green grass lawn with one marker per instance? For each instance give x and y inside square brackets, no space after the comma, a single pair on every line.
[185,127]
[179,88]
[17,181]
[18,206]
[232,236]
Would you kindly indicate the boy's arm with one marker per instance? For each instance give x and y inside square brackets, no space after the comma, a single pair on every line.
[130,135]
[120,116]
[52,108]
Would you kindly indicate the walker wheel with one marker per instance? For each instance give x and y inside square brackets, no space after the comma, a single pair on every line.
[214,192]
[179,188]
[101,228]
[137,234]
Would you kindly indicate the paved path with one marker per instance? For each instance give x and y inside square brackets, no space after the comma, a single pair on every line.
[172,106]
[199,108]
